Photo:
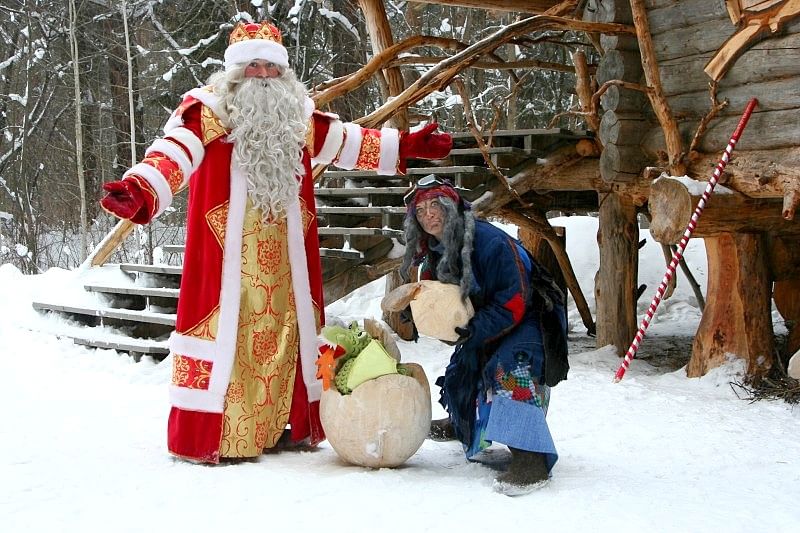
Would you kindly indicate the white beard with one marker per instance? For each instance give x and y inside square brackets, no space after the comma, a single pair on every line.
[268,132]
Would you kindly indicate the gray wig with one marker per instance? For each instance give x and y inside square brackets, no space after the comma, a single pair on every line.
[458,235]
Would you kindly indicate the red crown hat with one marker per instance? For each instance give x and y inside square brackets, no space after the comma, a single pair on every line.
[255,41]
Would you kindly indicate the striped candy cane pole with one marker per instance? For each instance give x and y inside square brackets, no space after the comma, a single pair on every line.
[678,255]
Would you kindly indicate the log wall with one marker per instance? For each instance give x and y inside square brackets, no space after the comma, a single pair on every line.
[686,35]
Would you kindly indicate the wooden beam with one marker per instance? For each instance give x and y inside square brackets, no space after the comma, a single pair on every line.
[524,6]
[672,204]
[494,65]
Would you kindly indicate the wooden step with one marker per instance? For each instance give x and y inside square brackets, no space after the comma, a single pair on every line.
[152,269]
[158,292]
[539,132]
[420,171]
[126,344]
[387,232]
[173,248]
[366,211]
[340,254]
[494,150]
[360,191]
[107,312]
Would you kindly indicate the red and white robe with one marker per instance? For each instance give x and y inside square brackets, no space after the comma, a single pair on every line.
[250,305]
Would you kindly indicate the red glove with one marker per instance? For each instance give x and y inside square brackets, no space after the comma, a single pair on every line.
[123,199]
[424,144]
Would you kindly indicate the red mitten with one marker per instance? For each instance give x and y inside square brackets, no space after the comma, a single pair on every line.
[123,198]
[424,144]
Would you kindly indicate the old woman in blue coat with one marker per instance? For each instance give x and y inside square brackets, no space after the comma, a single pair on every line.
[497,384]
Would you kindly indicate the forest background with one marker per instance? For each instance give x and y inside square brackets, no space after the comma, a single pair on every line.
[86,85]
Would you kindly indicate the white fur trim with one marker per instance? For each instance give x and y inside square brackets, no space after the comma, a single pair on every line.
[174,152]
[352,147]
[230,293]
[390,152]
[191,142]
[211,100]
[221,352]
[306,323]
[174,121]
[246,51]
[333,141]
[156,180]
[308,107]
[192,347]
[196,399]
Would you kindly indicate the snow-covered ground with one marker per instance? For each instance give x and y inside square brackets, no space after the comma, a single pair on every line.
[83,443]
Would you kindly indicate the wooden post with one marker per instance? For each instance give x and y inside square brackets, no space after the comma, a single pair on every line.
[737,318]
[541,250]
[380,34]
[617,279]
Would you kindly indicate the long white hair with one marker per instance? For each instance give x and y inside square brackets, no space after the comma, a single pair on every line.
[268,131]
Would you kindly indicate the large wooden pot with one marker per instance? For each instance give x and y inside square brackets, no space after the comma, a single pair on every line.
[382,422]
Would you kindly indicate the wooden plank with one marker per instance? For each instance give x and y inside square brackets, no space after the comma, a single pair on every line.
[360,191]
[340,254]
[388,232]
[173,248]
[347,210]
[686,41]
[128,345]
[105,312]
[159,292]
[767,130]
[771,59]
[686,13]
[152,269]
[421,171]
[492,151]
[555,132]
[774,95]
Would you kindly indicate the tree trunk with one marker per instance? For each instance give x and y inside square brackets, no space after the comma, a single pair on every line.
[541,250]
[617,280]
[73,41]
[381,36]
[737,318]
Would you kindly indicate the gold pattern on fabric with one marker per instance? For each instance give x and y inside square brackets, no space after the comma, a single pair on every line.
[217,218]
[206,328]
[370,153]
[190,372]
[211,124]
[259,395]
[310,136]
[306,216]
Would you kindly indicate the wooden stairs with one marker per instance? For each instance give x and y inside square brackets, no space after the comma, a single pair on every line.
[360,217]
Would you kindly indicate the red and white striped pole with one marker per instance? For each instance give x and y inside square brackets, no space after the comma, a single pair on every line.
[676,257]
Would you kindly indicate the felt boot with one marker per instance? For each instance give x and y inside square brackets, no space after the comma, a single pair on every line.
[526,473]
[442,430]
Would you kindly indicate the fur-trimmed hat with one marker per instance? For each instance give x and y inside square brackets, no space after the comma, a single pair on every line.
[255,41]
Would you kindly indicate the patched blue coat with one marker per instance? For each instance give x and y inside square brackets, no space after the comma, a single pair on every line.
[519,317]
